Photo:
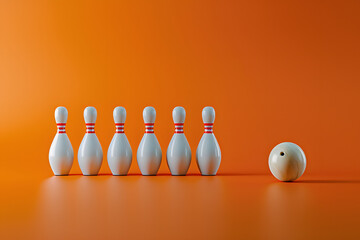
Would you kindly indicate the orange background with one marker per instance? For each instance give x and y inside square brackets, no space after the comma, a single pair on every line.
[273,70]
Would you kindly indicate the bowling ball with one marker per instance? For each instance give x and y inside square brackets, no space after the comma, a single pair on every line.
[287,161]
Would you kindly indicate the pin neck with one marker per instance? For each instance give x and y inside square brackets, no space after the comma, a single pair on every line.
[179,127]
[208,127]
[61,127]
[90,127]
[149,127]
[119,127]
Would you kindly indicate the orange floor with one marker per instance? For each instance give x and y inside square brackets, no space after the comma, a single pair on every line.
[191,207]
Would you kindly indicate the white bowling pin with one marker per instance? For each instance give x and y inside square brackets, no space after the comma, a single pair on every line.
[61,154]
[178,154]
[149,151]
[119,154]
[90,153]
[208,154]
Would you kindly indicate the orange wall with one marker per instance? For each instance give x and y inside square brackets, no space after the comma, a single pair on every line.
[274,71]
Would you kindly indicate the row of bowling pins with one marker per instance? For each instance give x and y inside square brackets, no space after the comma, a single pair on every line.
[149,155]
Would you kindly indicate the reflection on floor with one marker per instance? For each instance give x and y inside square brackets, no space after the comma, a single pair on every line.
[221,207]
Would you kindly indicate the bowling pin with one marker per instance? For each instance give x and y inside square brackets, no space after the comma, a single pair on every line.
[61,154]
[90,153]
[119,154]
[178,154]
[208,154]
[149,151]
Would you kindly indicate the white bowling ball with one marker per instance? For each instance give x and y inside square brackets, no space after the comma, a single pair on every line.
[287,161]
